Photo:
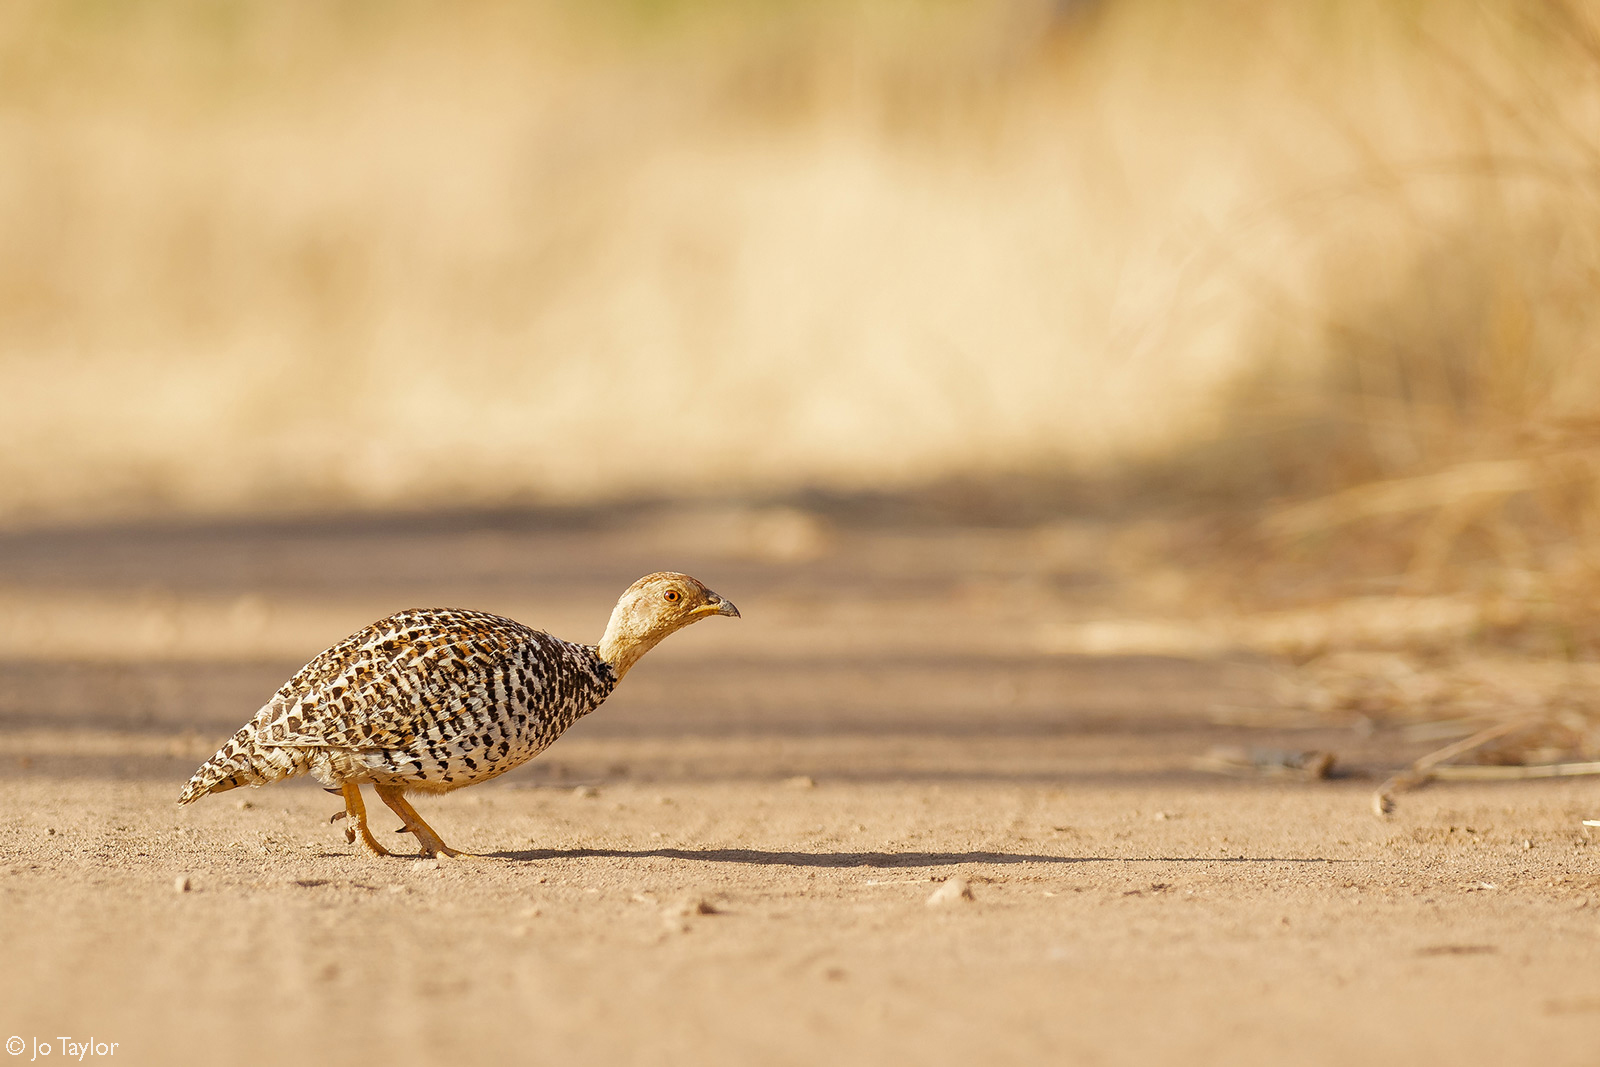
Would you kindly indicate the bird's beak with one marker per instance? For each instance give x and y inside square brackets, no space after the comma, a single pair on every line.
[718,606]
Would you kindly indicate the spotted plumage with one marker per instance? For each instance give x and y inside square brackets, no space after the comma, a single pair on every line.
[434,699]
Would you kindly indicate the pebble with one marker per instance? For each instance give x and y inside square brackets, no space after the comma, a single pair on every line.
[182,884]
[585,792]
[690,906]
[954,890]
[675,917]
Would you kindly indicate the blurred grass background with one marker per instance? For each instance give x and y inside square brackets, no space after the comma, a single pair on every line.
[260,256]
[1322,275]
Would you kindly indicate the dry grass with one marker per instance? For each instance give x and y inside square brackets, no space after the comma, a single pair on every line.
[264,255]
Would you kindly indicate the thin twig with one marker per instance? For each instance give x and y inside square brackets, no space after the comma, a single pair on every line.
[1427,767]
[1500,772]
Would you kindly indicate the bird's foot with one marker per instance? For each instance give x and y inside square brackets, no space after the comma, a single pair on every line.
[433,847]
[446,854]
[349,831]
[357,812]
[438,849]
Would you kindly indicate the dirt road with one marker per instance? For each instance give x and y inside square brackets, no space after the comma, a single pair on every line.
[732,861]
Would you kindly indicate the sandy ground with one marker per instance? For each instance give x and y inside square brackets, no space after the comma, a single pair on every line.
[732,861]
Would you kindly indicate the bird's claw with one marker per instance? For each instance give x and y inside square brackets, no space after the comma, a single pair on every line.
[336,816]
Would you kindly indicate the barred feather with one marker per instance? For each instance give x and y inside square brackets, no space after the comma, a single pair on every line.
[433,699]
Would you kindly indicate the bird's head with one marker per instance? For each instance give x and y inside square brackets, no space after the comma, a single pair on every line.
[652,608]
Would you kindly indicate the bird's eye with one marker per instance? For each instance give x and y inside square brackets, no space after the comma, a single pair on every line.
[673,596]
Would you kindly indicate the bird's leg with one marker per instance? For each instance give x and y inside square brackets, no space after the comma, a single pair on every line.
[357,813]
[432,844]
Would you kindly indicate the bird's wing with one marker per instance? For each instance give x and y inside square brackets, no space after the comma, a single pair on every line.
[405,680]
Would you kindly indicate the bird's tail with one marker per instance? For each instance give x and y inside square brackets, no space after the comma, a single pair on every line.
[238,762]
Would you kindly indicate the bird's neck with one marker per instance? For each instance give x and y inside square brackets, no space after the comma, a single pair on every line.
[622,646]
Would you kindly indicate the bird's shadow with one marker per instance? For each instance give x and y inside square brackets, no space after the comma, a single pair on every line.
[760,858]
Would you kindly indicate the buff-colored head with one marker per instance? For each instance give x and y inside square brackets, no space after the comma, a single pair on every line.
[652,608]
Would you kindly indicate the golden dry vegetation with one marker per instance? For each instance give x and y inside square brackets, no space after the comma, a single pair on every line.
[259,255]
[1309,287]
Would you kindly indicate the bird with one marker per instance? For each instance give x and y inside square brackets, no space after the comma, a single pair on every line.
[429,700]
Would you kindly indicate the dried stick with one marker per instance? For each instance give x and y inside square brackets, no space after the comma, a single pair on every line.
[1492,772]
[1426,767]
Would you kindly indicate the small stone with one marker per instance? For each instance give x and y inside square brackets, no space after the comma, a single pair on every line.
[585,792]
[182,884]
[954,890]
[690,906]
[50,831]
[800,781]
[244,805]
